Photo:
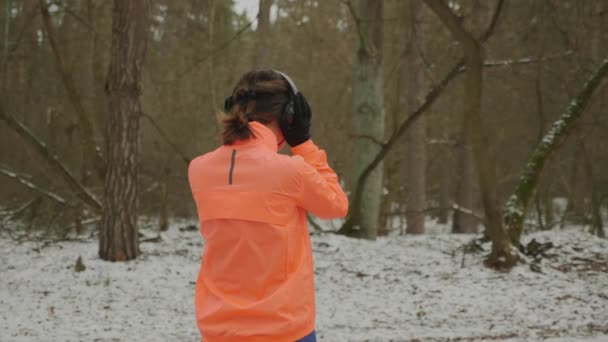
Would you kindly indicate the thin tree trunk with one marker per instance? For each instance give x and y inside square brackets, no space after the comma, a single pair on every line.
[260,55]
[130,25]
[597,225]
[575,210]
[516,207]
[416,154]
[88,149]
[502,256]
[7,27]
[445,189]
[463,222]
[210,61]
[95,14]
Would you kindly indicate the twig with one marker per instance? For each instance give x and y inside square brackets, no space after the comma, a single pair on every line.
[369,137]
[526,60]
[166,138]
[212,53]
[22,208]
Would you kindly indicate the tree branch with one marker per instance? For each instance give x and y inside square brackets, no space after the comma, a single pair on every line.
[40,147]
[166,138]
[357,20]
[32,186]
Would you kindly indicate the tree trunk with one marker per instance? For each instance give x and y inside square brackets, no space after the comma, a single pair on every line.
[96,16]
[516,207]
[130,25]
[210,62]
[5,46]
[369,113]
[260,55]
[502,256]
[575,210]
[597,225]
[445,189]
[467,194]
[463,222]
[416,154]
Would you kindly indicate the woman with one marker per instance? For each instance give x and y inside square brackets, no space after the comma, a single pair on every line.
[256,281]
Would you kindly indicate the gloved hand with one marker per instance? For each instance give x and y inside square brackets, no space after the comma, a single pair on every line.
[296,127]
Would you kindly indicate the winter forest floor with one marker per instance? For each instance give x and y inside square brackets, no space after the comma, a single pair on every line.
[406,288]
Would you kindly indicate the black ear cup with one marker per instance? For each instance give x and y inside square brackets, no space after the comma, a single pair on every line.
[228,103]
[289,112]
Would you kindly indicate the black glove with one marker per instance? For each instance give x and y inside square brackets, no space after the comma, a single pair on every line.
[295,122]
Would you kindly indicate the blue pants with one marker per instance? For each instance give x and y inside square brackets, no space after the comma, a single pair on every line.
[312,337]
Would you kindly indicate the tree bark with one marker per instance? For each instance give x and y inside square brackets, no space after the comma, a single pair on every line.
[416,154]
[517,205]
[130,25]
[502,256]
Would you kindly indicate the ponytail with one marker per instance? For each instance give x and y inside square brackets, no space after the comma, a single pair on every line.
[234,126]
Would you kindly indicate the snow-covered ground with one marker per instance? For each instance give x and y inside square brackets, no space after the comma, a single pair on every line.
[406,288]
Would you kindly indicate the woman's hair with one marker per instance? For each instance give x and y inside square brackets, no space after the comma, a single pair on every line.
[259,95]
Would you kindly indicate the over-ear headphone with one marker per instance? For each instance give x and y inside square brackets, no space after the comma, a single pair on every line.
[288,111]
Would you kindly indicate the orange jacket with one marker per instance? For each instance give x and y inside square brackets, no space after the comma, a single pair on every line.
[256,281]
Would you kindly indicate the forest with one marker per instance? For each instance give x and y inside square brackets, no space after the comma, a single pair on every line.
[470,136]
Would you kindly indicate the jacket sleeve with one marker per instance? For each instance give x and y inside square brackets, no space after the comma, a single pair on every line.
[319,189]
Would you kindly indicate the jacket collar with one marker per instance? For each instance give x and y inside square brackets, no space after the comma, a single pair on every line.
[262,135]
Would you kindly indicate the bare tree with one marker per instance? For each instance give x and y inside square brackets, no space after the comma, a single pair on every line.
[502,255]
[467,193]
[118,238]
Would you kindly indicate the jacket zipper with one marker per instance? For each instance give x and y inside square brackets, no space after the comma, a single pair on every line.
[231,166]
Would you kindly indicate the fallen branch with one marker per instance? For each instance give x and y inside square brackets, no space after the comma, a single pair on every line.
[46,193]
[40,147]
